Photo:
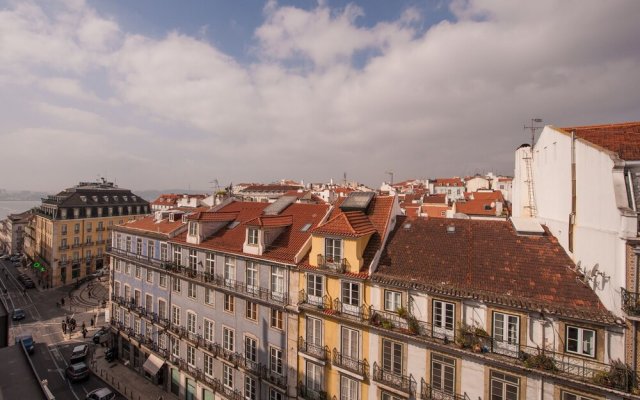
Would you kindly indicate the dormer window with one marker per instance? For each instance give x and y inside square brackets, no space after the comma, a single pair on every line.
[333,250]
[193,228]
[94,198]
[83,198]
[252,236]
[105,198]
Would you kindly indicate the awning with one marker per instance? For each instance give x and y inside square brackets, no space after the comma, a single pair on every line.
[153,364]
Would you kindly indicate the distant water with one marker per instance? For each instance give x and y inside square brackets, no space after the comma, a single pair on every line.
[16,206]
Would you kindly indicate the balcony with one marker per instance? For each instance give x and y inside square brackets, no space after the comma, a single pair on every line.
[318,352]
[630,302]
[360,367]
[402,383]
[336,307]
[100,229]
[76,245]
[309,394]
[338,265]
[63,247]
[428,392]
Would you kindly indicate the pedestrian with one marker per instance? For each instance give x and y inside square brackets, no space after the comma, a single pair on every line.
[64,327]
[84,333]
[67,317]
[62,301]
[91,322]
[83,325]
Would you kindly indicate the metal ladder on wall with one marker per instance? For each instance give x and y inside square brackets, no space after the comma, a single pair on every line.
[529,181]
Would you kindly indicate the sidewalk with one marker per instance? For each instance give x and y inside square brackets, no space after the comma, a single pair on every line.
[129,383]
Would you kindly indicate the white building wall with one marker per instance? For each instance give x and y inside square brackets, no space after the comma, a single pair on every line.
[476,183]
[473,379]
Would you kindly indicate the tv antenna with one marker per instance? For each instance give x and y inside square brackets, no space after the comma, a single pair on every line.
[533,128]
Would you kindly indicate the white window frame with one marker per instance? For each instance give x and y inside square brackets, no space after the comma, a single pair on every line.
[314,376]
[209,297]
[277,282]
[276,362]
[229,270]
[250,388]
[580,341]
[192,321]
[251,348]
[444,318]
[252,236]
[277,319]
[566,395]
[314,331]
[191,355]
[499,383]
[192,290]
[209,330]
[228,339]
[176,285]
[229,303]
[315,289]
[227,376]
[392,356]
[333,250]
[175,314]
[251,310]
[210,263]
[208,365]
[443,373]
[162,280]
[349,388]
[350,343]
[251,277]
[392,300]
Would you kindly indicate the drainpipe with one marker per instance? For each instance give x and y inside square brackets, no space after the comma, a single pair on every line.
[572,216]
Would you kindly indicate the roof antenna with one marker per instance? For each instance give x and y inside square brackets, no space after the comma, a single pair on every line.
[533,127]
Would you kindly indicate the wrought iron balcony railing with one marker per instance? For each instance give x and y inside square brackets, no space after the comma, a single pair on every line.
[400,382]
[339,265]
[314,350]
[630,302]
[336,307]
[308,393]
[360,367]
[428,392]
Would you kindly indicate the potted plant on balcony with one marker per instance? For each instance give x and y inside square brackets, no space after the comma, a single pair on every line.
[540,361]
[402,312]
[619,376]
[386,324]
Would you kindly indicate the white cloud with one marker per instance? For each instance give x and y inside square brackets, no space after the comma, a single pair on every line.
[326,94]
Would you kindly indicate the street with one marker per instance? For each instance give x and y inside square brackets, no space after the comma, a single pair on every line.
[44,321]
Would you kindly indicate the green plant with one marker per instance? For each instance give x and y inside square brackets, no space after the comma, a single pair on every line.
[413,324]
[541,361]
[402,312]
[619,376]
[386,324]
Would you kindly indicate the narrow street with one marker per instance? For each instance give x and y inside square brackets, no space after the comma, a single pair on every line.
[44,321]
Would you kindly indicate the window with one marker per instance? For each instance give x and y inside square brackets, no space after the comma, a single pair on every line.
[163,280]
[574,396]
[350,343]
[117,264]
[581,341]
[209,296]
[277,319]
[443,373]
[164,252]
[191,356]
[208,330]
[76,227]
[116,288]
[389,396]
[229,271]
[351,297]
[148,302]
[175,315]
[227,376]
[313,377]
[193,259]
[252,236]
[275,395]
[277,282]
[229,303]
[392,300]
[250,392]
[333,250]
[177,256]
[251,311]
[208,365]
[149,275]
[162,309]
[210,263]
[315,289]
[314,331]
[349,389]
[127,292]
[252,277]
[506,330]
[193,228]
[175,346]
[192,290]
[251,349]
[504,387]
[443,319]
[191,322]
[228,341]
[138,271]
[139,246]
[127,269]
[150,248]
[128,244]
[392,356]
[177,284]
[275,360]
[64,229]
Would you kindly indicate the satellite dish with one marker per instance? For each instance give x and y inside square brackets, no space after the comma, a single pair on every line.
[594,270]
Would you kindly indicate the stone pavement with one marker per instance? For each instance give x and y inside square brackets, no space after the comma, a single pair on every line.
[129,383]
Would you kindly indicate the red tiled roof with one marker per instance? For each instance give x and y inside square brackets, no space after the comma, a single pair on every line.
[271,221]
[505,179]
[487,260]
[350,224]
[435,199]
[213,216]
[166,199]
[149,224]
[622,139]
[283,249]
[448,182]
[495,195]
[476,207]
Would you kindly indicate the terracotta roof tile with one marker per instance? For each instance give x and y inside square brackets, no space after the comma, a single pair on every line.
[271,221]
[213,216]
[350,224]
[149,224]
[622,139]
[448,182]
[488,260]
[435,199]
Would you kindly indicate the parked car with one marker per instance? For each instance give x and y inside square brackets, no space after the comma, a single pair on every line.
[101,394]
[101,335]
[18,314]
[27,340]
[77,372]
[28,284]
[111,354]
[5,257]
[79,353]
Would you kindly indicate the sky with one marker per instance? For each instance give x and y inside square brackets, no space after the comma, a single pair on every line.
[157,94]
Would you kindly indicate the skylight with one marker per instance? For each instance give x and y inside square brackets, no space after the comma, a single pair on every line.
[305,228]
[233,224]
